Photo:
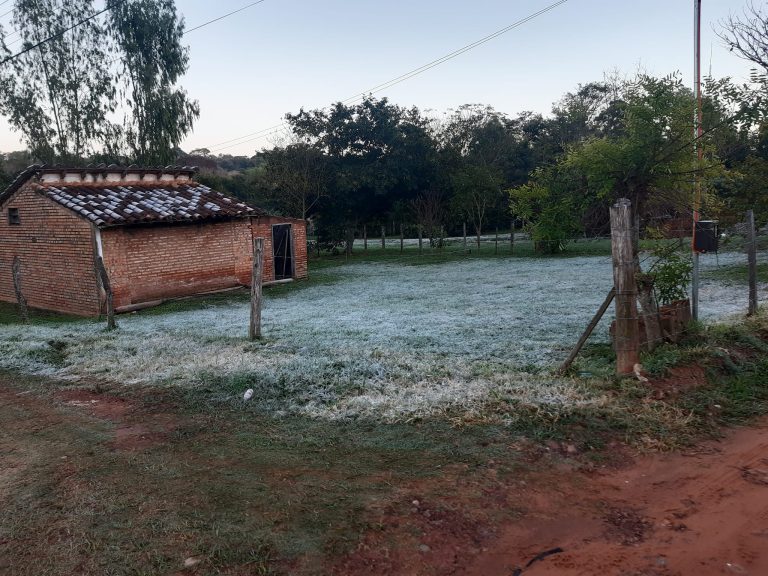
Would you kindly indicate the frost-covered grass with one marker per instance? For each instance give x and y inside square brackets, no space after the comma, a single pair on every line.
[383,341]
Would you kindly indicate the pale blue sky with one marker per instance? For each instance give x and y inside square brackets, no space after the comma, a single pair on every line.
[248,70]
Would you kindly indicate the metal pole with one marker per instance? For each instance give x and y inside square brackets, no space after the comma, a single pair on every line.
[752,260]
[697,133]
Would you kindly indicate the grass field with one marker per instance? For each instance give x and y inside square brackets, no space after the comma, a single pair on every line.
[375,339]
[398,406]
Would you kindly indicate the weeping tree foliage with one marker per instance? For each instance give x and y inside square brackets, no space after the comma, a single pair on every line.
[59,95]
[64,96]
[147,36]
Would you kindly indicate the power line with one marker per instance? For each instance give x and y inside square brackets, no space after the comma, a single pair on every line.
[222,17]
[273,131]
[107,7]
[246,136]
[206,23]
[58,34]
[455,53]
[415,71]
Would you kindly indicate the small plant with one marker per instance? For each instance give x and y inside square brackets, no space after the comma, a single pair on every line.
[671,271]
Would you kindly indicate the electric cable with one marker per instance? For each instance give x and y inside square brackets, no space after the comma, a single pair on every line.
[417,71]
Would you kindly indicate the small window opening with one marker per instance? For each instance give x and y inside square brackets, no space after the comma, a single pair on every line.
[13,216]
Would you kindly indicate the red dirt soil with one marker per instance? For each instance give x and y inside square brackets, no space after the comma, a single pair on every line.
[134,430]
[699,513]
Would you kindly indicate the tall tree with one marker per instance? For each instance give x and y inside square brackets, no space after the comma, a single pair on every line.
[297,176]
[747,35]
[148,36]
[62,94]
[380,156]
[58,95]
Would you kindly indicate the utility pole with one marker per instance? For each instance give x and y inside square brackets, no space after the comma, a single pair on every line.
[699,151]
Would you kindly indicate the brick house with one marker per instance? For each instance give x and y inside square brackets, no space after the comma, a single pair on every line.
[161,235]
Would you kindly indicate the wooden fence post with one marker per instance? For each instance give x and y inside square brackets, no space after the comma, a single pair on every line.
[401,237]
[627,337]
[365,238]
[752,260]
[512,237]
[421,235]
[254,332]
[465,237]
[496,248]
[16,271]
[383,237]
[107,286]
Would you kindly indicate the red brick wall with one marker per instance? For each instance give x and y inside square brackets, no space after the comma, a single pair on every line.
[148,263]
[144,263]
[262,227]
[57,256]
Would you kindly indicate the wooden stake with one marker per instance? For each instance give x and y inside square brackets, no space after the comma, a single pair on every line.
[401,237]
[590,327]
[752,261]
[496,249]
[107,286]
[254,332]
[365,238]
[627,339]
[512,237]
[22,302]
[465,237]
[420,238]
[383,238]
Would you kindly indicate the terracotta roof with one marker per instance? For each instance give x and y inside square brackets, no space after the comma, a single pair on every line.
[116,196]
[19,181]
[116,204]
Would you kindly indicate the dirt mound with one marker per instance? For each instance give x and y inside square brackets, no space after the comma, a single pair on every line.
[678,379]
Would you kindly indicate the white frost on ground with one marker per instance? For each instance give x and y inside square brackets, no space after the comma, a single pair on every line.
[386,341]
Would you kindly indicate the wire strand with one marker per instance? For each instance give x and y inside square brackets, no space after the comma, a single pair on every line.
[425,67]
[61,33]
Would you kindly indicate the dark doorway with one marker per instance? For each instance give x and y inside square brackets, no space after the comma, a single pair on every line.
[283,251]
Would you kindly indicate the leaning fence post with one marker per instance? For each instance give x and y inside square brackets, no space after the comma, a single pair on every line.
[627,337]
[587,332]
[16,271]
[752,259]
[107,286]
[254,332]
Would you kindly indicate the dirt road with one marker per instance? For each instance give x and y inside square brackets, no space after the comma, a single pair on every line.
[704,512]
[700,513]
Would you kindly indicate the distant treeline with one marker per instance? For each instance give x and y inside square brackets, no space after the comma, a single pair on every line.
[375,163]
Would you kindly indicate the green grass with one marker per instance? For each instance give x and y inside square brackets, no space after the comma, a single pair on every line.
[236,491]
[9,314]
[454,251]
[247,492]
[739,274]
